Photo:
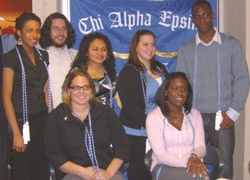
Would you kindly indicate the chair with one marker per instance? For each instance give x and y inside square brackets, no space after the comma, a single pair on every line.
[148,159]
[52,172]
[213,161]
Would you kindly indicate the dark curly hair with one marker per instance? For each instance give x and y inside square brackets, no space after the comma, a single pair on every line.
[160,97]
[45,40]
[133,59]
[82,60]
[24,17]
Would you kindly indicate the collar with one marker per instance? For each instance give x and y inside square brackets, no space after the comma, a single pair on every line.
[216,38]
[53,48]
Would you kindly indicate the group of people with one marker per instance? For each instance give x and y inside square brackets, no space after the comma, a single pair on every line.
[60,102]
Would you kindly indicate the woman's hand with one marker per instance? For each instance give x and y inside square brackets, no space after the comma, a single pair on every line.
[18,143]
[103,175]
[196,166]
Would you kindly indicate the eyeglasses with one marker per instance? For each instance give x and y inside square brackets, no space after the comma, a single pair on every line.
[57,29]
[78,88]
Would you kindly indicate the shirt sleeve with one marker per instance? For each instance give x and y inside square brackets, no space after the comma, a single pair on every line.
[119,140]
[54,150]
[181,63]
[10,60]
[241,77]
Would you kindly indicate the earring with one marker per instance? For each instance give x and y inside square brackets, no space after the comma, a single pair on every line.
[19,41]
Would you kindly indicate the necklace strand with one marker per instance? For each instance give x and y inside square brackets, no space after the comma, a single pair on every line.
[24,87]
[174,119]
[218,77]
[49,83]
[89,142]
[165,141]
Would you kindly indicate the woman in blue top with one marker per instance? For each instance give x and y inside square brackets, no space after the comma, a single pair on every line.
[138,83]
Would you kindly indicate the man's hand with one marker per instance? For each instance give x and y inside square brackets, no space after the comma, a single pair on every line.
[227,123]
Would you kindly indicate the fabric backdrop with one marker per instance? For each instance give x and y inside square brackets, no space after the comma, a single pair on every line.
[170,20]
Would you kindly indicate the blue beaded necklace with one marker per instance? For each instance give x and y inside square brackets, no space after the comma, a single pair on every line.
[164,137]
[144,89]
[218,78]
[89,141]
[24,92]
[49,85]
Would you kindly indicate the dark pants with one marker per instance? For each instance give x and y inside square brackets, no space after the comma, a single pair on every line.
[137,169]
[118,176]
[4,146]
[173,173]
[222,139]
[32,164]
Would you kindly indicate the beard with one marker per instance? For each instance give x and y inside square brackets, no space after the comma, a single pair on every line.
[60,44]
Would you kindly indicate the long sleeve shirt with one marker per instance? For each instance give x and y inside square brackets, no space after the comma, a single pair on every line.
[60,61]
[175,147]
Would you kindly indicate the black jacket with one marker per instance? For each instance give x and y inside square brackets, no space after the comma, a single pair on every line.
[64,137]
[131,96]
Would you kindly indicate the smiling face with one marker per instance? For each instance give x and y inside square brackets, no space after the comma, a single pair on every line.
[59,32]
[203,17]
[177,92]
[97,52]
[80,96]
[146,48]
[30,34]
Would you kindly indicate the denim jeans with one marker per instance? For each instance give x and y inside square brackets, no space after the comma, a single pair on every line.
[223,140]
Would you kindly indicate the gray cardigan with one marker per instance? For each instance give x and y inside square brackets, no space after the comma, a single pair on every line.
[234,73]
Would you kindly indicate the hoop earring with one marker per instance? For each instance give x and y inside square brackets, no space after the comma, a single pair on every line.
[19,41]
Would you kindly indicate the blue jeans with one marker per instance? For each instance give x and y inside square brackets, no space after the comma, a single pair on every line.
[223,140]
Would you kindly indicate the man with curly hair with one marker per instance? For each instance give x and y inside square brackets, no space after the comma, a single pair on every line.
[58,37]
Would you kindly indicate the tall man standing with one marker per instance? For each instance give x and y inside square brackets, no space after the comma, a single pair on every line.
[216,67]
[58,37]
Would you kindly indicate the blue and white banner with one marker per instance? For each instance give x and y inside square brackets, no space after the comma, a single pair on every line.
[170,20]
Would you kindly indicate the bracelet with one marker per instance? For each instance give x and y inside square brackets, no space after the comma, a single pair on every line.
[194,155]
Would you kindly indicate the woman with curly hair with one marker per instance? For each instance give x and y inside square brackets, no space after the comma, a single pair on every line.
[95,56]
